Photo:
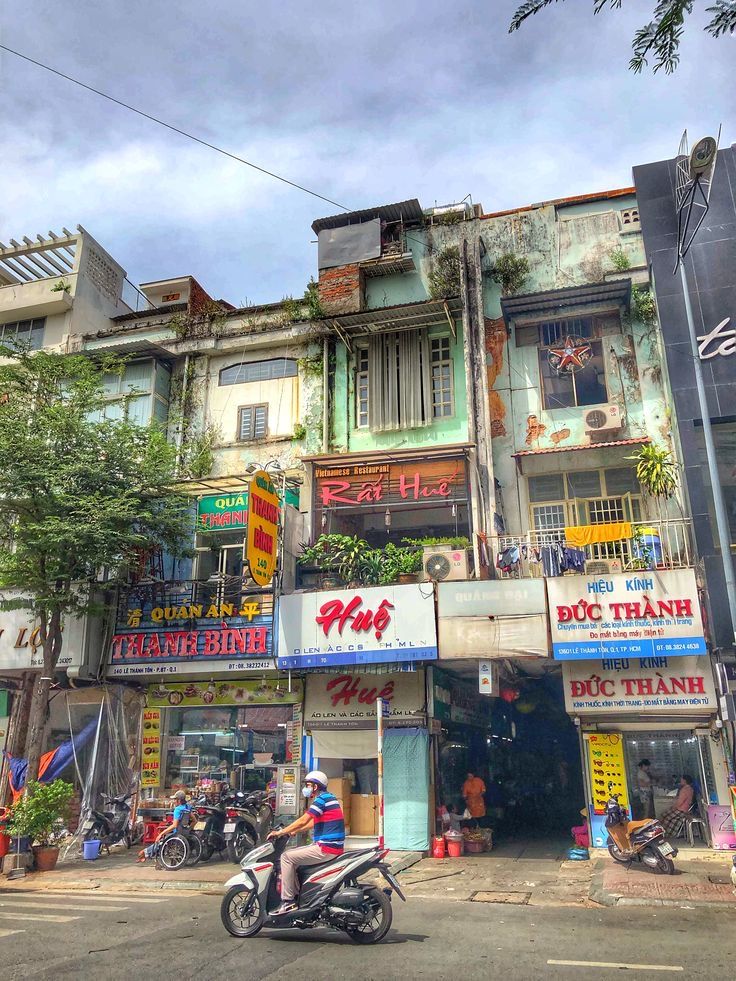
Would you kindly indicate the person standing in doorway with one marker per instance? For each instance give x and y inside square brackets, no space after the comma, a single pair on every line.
[473,790]
[645,789]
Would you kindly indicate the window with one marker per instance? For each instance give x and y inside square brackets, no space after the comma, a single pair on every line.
[258,371]
[583,497]
[25,333]
[403,380]
[629,218]
[585,385]
[252,422]
[361,387]
[441,377]
[140,392]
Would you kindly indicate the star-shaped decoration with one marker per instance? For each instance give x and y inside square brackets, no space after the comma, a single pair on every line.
[574,354]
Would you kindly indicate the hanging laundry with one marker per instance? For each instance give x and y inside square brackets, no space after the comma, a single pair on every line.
[573,559]
[581,535]
[508,559]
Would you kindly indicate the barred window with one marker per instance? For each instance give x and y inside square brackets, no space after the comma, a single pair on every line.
[252,422]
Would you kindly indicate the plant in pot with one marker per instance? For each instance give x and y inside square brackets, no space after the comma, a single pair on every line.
[339,558]
[34,815]
[401,564]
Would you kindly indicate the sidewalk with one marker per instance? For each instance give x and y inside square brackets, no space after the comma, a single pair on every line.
[702,879]
[119,872]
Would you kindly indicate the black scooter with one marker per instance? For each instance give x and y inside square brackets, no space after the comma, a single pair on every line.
[210,827]
[110,825]
[249,819]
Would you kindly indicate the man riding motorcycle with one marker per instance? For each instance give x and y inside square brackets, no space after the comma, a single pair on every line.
[324,816]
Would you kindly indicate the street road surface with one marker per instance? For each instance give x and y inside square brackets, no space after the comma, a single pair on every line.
[91,935]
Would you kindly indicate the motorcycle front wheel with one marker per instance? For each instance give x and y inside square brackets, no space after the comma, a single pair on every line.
[241,912]
[617,855]
[378,920]
[239,845]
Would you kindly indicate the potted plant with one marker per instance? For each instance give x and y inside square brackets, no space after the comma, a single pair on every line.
[340,558]
[401,564]
[34,815]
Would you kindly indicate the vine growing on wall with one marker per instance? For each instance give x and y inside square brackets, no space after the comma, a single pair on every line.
[620,259]
[645,309]
[209,321]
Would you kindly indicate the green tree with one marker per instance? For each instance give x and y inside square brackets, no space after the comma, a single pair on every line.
[79,493]
[660,38]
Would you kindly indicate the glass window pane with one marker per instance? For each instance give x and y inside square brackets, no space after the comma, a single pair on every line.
[163,381]
[138,376]
[546,487]
[590,381]
[139,410]
[549,517]
[584,483]
[558,389]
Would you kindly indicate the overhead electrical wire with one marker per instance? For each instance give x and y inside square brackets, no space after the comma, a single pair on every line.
[190,136]
[174,129]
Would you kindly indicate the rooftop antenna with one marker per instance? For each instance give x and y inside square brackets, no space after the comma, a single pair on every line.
[694,172]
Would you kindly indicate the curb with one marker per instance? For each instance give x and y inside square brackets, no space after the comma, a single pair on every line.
[598,894]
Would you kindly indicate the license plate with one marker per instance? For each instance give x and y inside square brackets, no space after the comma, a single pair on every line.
[392,882]
[229,827]
[200,825]
[666,849]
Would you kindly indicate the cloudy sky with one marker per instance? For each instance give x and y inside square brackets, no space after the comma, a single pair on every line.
[365,103]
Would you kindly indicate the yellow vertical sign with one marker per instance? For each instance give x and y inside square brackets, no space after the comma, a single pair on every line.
[263,528]
[151,748]
[606,763]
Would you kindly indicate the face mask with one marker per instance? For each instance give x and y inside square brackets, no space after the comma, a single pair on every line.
[306,792]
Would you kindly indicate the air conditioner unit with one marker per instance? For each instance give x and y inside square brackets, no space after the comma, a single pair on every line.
[602,567]
[604,419]
[443,565]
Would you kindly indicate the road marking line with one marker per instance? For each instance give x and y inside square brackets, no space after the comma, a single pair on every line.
[620,966]
[108,897]
[15,904]
[9,933]
[51,918]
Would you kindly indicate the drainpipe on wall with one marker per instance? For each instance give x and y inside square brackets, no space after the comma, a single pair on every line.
[325,396]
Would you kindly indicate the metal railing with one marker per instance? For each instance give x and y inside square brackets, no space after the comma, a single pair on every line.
[664,544]
[134,299]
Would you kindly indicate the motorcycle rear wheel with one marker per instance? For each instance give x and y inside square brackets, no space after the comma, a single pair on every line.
[376,928]
[653,859]
[235,918]
[239,845]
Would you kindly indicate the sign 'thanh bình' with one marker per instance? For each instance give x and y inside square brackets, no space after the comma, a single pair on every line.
[263,528]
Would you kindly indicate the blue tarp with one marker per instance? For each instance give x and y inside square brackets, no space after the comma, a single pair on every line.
[53,763]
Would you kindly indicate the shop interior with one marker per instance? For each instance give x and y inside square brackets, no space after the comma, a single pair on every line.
[237,745]
[527,754]
[393,522]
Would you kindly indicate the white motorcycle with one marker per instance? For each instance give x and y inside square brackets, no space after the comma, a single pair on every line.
[330,895]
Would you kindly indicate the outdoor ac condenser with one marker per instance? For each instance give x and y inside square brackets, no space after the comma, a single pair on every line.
[443,565]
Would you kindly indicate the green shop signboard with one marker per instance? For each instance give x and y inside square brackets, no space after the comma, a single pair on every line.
[222,511]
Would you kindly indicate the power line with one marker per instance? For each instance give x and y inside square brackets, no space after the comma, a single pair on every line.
[174,129]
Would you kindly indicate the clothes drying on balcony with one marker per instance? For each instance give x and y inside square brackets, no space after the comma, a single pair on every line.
[558,557]
[582,535]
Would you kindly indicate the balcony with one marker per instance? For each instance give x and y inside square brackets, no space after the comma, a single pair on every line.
[653,545]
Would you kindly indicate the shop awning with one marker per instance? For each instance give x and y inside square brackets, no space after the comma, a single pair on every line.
[552,303]
[405,316]
[531,455]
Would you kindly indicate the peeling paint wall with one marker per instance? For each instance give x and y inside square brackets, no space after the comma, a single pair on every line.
[567,245]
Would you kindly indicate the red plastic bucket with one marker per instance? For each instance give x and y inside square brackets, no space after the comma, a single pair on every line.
[438,847]
[454,848]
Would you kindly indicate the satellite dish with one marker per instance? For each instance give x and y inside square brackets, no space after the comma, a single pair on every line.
[702,156]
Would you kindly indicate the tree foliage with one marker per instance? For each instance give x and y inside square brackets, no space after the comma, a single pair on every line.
[79,492]
[660,38]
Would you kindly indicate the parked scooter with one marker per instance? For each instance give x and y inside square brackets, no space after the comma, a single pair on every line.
[249,819]
[641,841]
[330,895]
[110,825]
[210,827]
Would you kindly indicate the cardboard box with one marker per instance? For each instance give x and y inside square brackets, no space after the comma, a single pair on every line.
[364,814]
[342,789]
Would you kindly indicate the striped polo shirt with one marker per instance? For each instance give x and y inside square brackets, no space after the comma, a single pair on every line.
[329,823]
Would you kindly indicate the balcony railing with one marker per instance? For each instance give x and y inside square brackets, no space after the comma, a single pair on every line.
[653,545]
[219,597]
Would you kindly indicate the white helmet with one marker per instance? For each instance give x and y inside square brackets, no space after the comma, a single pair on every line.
[316,776]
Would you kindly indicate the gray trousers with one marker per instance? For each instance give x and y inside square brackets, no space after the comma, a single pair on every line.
[291,860]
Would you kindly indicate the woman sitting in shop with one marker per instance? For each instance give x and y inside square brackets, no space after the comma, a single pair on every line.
[672,819]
